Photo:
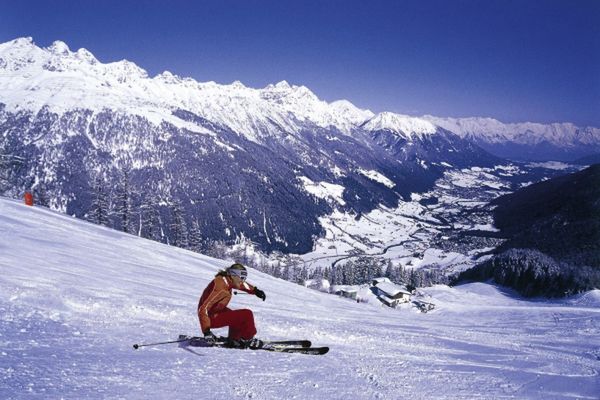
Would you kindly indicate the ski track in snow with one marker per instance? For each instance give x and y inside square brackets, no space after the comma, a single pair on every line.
[74,297]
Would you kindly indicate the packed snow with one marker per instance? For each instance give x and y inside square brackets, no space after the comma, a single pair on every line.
[75,297]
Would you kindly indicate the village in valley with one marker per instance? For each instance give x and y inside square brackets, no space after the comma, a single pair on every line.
[386,293]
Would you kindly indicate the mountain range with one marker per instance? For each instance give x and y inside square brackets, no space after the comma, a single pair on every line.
[177,160]
[525,141]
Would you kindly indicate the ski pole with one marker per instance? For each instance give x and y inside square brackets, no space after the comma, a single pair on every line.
[137,346]
[240,292]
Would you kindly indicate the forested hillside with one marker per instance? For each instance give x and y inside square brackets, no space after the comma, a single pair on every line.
[553,237]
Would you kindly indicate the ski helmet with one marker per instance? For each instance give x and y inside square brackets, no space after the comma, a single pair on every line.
[238,270]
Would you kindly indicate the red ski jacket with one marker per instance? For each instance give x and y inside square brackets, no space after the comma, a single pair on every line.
[215,298]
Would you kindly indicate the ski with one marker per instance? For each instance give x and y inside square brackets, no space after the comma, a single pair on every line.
[198,341]
[288,343]
[278,346]
[300,350]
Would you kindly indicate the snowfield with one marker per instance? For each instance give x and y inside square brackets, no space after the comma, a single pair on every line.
[75,297]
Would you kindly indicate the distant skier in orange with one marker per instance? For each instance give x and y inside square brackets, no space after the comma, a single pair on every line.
[213,311]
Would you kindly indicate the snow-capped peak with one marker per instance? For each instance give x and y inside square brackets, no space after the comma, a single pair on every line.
[168,78]
[237,85]
[32,77]
[283,90]
[59,48]
[282,85]
[18,54]
[84,55]
[402,125]
[351,112]
[22,42]
[125,70]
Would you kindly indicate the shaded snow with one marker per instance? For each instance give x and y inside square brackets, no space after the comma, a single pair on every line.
[74,297]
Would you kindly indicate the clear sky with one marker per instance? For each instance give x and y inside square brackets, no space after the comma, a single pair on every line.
[527,60]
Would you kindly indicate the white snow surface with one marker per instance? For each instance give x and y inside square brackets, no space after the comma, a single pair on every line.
[74,297]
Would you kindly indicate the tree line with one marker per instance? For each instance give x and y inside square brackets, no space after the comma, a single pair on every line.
[533,273]
[149,216]
[356,271]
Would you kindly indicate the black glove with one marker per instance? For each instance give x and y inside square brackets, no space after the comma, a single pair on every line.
[260,294]
[209,337]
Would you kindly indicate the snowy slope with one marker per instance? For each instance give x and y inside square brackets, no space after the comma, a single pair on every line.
[74,297]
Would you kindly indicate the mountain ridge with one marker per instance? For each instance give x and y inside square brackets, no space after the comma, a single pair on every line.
[253,112]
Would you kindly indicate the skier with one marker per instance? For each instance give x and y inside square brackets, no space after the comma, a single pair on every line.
[213,311]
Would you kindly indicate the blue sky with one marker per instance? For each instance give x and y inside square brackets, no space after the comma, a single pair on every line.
[511,60]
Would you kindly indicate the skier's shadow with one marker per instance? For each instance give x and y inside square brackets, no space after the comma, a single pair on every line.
[194,352]
[186,348]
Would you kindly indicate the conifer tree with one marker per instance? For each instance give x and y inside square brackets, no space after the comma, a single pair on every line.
[121,206]
[150,224]
[41,195]
[98,213]
[287,273]
[195,236]
[178,228]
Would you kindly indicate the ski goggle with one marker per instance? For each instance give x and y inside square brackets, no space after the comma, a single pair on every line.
[240,273]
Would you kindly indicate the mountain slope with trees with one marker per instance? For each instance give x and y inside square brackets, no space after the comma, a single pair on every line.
[193,164]
[553,237]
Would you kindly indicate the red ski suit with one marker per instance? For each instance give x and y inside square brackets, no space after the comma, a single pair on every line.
[213,311]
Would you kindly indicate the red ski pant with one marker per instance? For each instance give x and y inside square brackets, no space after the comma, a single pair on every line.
[240,323]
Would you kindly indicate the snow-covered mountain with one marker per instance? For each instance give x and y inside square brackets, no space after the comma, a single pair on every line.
[171,155]
[175,160]
[75,297]
[62,80]
[527,141]
[401,125]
